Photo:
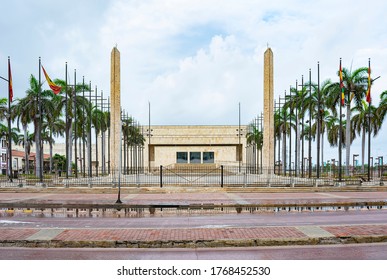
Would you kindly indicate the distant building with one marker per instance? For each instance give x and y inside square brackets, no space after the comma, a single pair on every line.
[170,145]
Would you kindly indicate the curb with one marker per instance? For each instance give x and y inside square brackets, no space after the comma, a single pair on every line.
[195,243]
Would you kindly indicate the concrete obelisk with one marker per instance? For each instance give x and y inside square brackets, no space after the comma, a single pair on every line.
[268,114]
[115,110]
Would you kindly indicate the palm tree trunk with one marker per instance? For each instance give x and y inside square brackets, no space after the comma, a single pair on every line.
[26,151]
[363,138]
[70,147]
[322,150]
[80,156]
[51,160]
[38,158]
[283,152]
[297,159]
[103,152]
[348,139]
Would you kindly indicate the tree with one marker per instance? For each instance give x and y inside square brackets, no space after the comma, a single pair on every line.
[28,110]
[282,127]
[74,104]
[355,86]
[53,126]
[360,122]
[26,140]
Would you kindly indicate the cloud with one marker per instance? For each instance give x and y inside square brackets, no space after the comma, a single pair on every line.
[193,60]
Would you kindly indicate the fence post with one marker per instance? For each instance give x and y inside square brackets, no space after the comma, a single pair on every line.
[221,176]
[161,176]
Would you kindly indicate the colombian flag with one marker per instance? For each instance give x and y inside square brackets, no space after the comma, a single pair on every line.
[10,89]
[368,97]
[56,89]
[341,85]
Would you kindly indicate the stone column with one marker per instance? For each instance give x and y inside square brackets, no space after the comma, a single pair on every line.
[268,114]
[115,110]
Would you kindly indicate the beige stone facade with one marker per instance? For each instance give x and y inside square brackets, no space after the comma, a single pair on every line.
[214,144]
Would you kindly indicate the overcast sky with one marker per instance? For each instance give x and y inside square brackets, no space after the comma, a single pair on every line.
[194,61]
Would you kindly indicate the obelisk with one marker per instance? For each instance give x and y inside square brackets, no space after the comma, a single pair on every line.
[115,110]
[268,113]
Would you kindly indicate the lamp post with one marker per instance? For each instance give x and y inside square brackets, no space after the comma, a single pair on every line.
[353,162]
[10,94]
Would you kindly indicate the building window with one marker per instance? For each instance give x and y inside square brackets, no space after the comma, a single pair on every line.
[195,157]
[182,157]
[208,157]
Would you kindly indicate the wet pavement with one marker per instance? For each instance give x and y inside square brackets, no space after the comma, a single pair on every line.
[20,230]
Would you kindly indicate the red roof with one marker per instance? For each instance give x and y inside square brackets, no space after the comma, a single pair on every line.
[16,153]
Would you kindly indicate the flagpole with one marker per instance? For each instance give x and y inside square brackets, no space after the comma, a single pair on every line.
[75,123]
[369,119]
[39,131]
[341,124]
[9,121]
[318,119]
[66,131]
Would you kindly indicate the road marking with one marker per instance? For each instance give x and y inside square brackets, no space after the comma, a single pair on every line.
[13,222]
[333,195]
[45,234]
[314,231]
[130,196]
[237,198]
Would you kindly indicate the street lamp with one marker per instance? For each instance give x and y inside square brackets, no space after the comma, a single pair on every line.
[8,115]
[353,161]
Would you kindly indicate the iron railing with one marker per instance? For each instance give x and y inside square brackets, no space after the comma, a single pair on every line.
[194,175]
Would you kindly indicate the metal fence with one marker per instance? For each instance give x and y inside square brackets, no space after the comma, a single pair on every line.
[211,175]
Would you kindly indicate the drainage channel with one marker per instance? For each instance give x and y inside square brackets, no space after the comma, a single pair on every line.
[173,211]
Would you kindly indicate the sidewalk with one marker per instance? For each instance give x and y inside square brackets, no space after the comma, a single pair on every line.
[192,237]
[216,236]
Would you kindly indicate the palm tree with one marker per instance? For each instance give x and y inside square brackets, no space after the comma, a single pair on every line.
[382,108]
[54,127]
[75,104]
[255,139]
[282,127]
[3,108]
[26,140]
[327,89]
[355,85]
[29,111]
[360,122]
[23,117]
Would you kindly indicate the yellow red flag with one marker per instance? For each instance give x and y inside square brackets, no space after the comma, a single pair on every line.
[56,89]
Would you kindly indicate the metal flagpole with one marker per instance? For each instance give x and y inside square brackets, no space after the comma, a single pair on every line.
[120,165]
[40,126]
[340,127]
[67,134]
[9,121]
[318,119]
[369,122]
[75,123]
[310,125]
[83,129]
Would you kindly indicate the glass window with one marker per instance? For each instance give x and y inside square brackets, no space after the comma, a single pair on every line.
[195,157]
[208,157]
[181,157]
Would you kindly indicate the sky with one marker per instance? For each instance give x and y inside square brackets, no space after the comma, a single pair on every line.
[194,61]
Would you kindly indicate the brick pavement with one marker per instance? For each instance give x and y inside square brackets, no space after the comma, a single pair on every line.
[162,237]
[212,237]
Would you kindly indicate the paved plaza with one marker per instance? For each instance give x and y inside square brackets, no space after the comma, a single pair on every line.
[127,230]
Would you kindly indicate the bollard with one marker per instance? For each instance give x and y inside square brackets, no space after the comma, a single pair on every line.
[161,176]
[221,176]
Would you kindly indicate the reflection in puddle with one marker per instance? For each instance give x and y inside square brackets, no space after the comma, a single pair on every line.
[140,212]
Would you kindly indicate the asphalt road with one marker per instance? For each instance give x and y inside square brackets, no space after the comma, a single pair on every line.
[352,217]
[375,251]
